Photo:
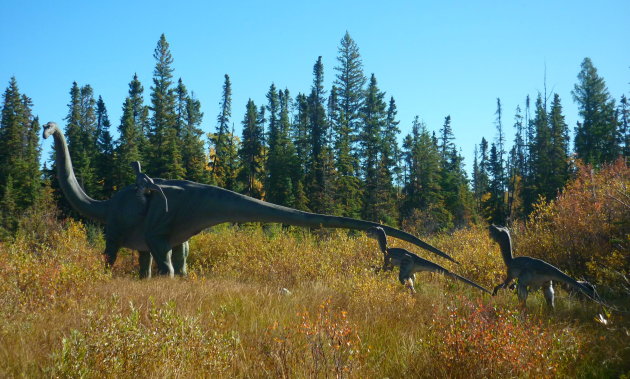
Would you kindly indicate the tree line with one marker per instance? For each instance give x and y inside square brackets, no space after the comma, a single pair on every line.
[336,150]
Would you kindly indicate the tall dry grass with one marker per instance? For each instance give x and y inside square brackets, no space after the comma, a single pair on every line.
[282,304]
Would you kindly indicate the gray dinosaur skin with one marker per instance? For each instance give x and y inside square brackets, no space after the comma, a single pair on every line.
[532,273]
[409,263]
[192,207]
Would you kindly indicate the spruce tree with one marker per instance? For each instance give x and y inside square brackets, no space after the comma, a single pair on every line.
[303,147]
[20,177]
[453,181]
[282,162]
[559,150]
[189,117]
[132,142]
[423,208]
[596,136]
[319,166]
[536,184]
[105,149]
[374,118]
[624,125]
[220,138]
[517,163]
[232,163]
[350,82]
[164,158]
[390,149]
[251,152]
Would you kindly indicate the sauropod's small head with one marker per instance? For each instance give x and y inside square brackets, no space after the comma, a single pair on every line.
[49,128]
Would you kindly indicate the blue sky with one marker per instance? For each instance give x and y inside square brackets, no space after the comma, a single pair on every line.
[436,58]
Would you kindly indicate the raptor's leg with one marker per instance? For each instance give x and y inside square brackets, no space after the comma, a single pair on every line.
[387,264]
[502,285]
[548,292]
[405,275]
[145,260]
[180,253]
[522,293]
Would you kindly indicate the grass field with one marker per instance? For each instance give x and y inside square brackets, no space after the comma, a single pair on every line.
[273,303]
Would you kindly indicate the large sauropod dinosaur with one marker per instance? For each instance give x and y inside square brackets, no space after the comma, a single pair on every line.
[532,273]
[192,207]
[409,263]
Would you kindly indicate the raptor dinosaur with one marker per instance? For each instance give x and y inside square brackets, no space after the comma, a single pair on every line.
[409,263]
[192,207]
[532,273]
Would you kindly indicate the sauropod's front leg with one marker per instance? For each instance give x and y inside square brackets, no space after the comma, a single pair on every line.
[145,260]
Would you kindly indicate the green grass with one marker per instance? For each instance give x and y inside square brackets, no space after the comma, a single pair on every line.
[63,315]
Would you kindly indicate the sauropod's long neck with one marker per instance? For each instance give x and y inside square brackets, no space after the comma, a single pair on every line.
[78,199]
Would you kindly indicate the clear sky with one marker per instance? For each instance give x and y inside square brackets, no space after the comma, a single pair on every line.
[436,58]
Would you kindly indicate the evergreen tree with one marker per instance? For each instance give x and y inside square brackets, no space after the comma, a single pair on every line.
[220,138]
[105,151]
[20,177]
[189,117]
[132,143]
[300,132]
[495,207]
[596,136]
[517,163]
[251,152]
[457,198]
[319,167]
[374,116]
[423,208]
[350,82]
[164,158]
[559,154]
[282,163]
[539,156]
[390,149]
[623,113]
[232,162]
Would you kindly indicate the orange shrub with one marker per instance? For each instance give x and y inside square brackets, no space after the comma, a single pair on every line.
[478,340]
[586,230]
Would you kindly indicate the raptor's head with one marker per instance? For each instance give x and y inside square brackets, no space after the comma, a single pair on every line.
[49,128]
[378,233]
[498,233]
[145,185]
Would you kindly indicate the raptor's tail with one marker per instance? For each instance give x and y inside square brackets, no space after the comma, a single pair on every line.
[467,281]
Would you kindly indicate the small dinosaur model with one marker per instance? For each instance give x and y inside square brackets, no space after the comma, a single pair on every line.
[409,263]
[192,207]
[533,273]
